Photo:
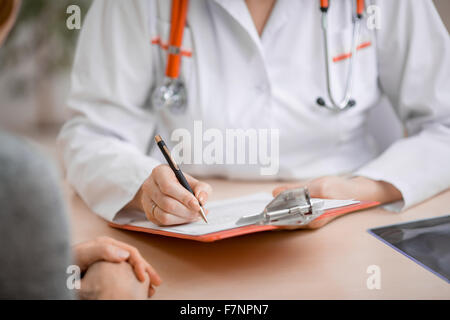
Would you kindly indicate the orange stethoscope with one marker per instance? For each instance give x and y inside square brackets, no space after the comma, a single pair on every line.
[347,102]
[172,93]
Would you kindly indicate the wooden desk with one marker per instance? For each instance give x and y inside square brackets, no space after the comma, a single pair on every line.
[329,263]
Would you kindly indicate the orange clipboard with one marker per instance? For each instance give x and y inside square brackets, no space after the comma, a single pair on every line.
[299,200]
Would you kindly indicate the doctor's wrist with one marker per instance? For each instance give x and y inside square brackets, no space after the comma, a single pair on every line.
[135,203]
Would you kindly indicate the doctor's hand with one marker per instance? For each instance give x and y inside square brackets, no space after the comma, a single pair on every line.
[109,250]
[335,187]
[166,202]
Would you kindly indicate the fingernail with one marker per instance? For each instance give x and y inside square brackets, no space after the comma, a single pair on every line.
[122,254]
[201,198]
[193,204]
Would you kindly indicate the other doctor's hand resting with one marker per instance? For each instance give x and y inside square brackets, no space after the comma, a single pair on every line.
[166,202]
[336,187]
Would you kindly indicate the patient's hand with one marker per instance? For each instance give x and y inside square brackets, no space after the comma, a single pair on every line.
[113,281]
[334,187]
[110,250]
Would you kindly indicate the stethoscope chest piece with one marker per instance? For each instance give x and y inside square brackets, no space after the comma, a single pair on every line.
[172,95]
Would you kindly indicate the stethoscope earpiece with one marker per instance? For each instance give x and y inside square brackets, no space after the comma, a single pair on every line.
[351,103]
[321,103]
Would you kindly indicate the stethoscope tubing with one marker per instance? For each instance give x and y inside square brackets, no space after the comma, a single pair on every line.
[178,21]
[346,101]
[173,94]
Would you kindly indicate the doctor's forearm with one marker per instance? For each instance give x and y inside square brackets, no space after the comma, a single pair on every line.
[373,190]
[359,188]
[336,187]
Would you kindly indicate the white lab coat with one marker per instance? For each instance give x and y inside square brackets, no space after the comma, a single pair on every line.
[235,79]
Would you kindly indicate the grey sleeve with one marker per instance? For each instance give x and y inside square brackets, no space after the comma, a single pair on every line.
[34,232]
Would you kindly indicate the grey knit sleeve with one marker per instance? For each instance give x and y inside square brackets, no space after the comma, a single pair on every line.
[34,232]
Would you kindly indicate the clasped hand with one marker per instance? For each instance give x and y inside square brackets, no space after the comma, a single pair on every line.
[114,270]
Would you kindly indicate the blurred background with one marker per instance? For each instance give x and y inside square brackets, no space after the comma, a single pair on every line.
[35,65]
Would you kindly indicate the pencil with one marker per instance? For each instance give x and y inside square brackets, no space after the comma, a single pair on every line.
[176,169]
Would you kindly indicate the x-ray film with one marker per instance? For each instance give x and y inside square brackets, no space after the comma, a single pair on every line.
[426,242]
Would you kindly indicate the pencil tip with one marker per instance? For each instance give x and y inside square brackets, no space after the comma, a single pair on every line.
[158,138]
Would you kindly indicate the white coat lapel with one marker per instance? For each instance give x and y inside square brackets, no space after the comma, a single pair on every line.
[238,10]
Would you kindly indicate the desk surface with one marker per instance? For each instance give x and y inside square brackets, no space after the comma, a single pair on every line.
[328,263]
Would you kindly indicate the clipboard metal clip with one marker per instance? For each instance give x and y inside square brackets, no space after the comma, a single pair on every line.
[290,208]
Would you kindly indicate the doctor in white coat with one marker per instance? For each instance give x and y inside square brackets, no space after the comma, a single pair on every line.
[256,65]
